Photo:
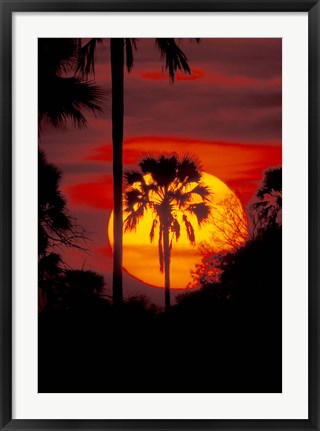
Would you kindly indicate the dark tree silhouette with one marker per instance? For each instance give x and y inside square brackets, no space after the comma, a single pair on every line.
[266,208]
[229,231]
[264,218]
[82,286]
[50,270]
[56,225]
[175,60]
[56,229]
[61,95]
[245,302]
[171,189]
[224,337]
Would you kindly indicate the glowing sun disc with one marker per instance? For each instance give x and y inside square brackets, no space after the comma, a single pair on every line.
[140,256]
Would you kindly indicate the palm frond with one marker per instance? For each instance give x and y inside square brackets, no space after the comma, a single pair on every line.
[272,182]
[180,197]
[132,220]
[175,228]
[165,170]
[60,99]
[188,169]
[162,169]
[132,176]
[175,59]
[86,57]
[200,210]
[148,164]
[153,228]
[56,55]
[189,229]
[130,44]
[132,197]
[202,191]
[148,187]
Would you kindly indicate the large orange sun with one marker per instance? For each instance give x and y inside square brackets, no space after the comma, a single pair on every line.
[225,229]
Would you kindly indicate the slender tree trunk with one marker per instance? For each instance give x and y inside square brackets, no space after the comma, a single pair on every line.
[166,250]
[117,75]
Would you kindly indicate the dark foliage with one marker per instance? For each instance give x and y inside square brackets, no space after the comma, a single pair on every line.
[222,338]
[175,59]
[272,182]
[59,287]
[266,207]
[61,94]
[56,226]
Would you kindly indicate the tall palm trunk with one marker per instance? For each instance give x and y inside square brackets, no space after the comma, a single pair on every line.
[117,75]
[166,252]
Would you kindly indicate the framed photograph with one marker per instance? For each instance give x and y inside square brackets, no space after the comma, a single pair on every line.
[159,215]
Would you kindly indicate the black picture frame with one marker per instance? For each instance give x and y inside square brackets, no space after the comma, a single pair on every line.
[7,9]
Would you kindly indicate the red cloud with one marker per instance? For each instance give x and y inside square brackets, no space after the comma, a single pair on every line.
[156,143]
[242,81]
[104,251]
[155,75]
[213,78]
[239,165]
[101,154]
[104,154]
[93,195]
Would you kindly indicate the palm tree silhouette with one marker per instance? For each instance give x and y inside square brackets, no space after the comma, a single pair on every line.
[171,189]
[175,60]
[266,210]
[60,96]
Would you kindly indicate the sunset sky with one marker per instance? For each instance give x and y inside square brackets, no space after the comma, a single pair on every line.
[228,113]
